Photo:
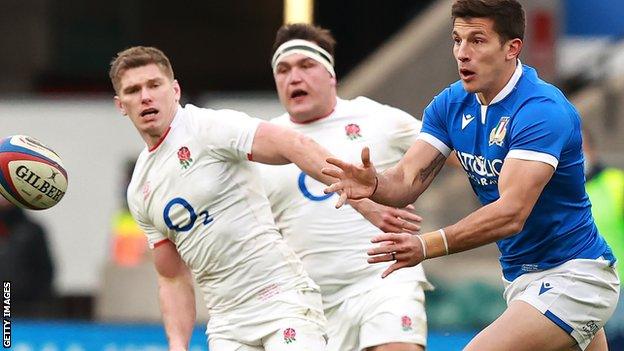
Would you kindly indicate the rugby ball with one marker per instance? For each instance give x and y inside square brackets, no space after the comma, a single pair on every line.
[32,175]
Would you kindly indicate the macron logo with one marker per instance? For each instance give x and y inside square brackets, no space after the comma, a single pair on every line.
[466,119]
[544,288]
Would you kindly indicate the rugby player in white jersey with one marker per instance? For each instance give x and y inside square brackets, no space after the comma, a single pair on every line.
[364,312]
[203,209]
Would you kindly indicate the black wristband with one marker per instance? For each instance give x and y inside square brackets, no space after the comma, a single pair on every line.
[376,185]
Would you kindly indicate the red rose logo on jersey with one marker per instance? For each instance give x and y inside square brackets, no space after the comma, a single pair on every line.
[184,155]
[406,323]
[353,131]
[289,335]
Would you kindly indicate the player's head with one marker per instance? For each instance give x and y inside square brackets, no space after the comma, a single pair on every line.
[145,89]
[303,69]
[487,37]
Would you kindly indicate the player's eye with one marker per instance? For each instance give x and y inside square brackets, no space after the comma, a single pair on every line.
[457,41]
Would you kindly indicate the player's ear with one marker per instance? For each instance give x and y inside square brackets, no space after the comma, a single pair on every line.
[514,47]
[333,82]
[119,105]
[177,90]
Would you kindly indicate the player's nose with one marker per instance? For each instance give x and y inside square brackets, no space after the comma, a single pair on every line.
[145,95]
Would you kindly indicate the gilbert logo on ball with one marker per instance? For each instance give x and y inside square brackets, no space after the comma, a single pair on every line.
[32,175]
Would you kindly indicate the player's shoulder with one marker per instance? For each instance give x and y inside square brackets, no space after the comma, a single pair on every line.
[532,89]
[282,120]
[366,106]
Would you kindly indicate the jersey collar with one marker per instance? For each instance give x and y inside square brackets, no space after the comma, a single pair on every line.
[509,87]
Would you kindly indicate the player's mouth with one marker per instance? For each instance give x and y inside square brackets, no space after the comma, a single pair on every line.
[466,74]
[149,112]
[298,94]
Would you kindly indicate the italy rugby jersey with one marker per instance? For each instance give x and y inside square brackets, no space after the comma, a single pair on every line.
[198,190]
[530,120]
[332,243]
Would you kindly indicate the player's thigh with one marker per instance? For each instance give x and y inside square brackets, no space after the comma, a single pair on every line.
[296,334]
[230,345]
[522,328]
[598,343]
[394,317]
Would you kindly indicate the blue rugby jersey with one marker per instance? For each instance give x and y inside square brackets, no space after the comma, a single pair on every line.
[531,120]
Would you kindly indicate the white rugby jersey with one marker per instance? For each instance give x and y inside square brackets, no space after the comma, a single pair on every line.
[332,243]
[198,190]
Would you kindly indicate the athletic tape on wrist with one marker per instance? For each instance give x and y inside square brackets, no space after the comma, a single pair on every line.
[434,243]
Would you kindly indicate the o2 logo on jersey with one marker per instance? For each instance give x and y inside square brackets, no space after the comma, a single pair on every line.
[304,190]
[192,215]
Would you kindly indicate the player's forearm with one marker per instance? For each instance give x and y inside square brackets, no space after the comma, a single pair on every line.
[309,156]
[393,189]
[488,224]
[177,304]
[403,183]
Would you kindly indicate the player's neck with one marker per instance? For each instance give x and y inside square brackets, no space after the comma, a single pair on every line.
[486,97]
[313,117]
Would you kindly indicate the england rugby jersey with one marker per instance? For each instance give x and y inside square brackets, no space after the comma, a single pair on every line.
[530,120]
[198,190]
[333,243]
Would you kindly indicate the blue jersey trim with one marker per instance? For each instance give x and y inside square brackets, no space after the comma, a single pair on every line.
[558,321]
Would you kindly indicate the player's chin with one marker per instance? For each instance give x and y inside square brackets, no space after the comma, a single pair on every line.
[470,86]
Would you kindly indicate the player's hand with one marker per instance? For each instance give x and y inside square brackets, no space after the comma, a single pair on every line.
[389,219]
[403,248]
[354,182]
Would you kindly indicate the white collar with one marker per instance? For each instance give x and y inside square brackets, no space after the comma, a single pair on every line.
[508,88]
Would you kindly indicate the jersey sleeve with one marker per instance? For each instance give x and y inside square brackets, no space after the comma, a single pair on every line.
[539,132]
[154,237]
[405,129]
[231,135]
[434,129]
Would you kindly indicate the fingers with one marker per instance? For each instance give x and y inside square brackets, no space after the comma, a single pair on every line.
[407,215]
[334,188]
[365,157]
[393,267]
[394,237]
[342,199]
[332,172]
[381,258]
[338,163]
[409,226]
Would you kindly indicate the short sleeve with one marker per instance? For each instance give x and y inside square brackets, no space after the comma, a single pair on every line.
[154,237]
[539,132]
[231,134]
[405,129]
[434,129]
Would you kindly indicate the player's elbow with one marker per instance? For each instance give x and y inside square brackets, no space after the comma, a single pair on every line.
[515,216]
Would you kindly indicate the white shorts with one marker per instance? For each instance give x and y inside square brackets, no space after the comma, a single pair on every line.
[292,320]
[579,296]
[393,312]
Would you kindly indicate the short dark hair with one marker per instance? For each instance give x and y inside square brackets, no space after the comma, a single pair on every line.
[138,56]
[508,15]
[321,36]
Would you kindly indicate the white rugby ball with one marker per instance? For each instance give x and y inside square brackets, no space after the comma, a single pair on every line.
[32,175]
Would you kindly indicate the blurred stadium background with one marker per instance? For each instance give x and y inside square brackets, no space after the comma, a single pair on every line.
[55,87]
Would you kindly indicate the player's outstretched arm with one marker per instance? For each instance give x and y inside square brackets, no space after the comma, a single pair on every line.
[520,185]
[388,219]
[278,145]
[398,186]
[176,295]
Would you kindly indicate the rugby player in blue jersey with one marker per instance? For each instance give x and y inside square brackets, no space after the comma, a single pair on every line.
[519,140]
